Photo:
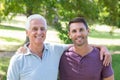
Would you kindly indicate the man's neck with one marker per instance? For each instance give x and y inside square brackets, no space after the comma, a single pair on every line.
[82,50]
[37,49]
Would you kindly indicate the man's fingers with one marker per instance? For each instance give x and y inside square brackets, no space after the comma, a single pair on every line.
[19,49]
[22,50]
[105,56]
[103,52]
[101,55]
[107,60]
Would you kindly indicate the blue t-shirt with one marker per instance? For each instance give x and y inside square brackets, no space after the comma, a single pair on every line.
[29,66]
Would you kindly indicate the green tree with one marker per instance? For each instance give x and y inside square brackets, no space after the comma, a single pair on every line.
[1,10]
[28,7]
[102,11]
[113,10]
[58,11]
[69,9]
[110,13]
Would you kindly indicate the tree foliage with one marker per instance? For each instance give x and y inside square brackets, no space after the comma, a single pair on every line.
[102,11]
[113,10]
[58,11]
[1,10]
[77,8]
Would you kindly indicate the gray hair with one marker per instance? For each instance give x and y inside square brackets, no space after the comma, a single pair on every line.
[35,16]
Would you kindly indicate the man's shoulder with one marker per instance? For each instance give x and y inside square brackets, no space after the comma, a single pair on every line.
[55,45]
[96,51]
[17,57]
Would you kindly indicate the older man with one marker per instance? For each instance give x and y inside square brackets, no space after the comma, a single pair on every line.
[41,60]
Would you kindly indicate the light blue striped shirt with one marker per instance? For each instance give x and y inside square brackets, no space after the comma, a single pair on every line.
[29,66]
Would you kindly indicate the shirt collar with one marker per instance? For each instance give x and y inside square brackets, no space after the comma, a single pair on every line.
[28,52]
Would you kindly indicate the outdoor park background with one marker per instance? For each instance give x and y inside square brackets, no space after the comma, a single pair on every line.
[102,16]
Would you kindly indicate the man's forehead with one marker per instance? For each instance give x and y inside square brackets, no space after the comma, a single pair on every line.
[37,22]
[74,25]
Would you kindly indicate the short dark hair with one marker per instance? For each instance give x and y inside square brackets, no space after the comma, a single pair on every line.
[78,20]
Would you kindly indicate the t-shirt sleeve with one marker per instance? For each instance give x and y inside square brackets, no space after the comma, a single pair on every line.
[13,69]
[107,71]
[60,48]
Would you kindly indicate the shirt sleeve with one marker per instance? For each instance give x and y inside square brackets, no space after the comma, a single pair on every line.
[60,48]
[13,69]
[107,71]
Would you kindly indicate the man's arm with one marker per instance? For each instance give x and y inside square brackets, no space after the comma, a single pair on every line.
[13,70]
[104,52]
[109,78]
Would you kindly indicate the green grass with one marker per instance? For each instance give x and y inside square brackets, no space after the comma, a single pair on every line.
[12,36]
[116,65]
[4,62]
[8,48]
[114,48]
[11,28]
[104,35]
[10,39]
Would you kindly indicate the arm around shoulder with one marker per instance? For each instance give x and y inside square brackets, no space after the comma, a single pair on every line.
[104,52]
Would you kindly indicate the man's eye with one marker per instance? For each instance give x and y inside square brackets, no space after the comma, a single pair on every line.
[42,29]
[81,30]
[34,29]
[74,31]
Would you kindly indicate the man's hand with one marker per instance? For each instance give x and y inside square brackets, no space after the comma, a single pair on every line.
[22,50]
[106,54]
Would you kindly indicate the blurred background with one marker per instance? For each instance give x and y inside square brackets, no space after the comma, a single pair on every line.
[103,17]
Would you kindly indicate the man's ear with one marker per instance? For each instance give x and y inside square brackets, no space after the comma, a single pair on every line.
[88,31]
[27,33]
[69,35]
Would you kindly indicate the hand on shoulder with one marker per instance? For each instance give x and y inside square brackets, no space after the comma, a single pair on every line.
[22,50]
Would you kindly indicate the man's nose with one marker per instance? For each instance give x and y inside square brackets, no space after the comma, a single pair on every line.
[78,33]
[39,31]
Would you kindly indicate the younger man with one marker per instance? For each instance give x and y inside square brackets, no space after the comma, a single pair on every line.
[81,61]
